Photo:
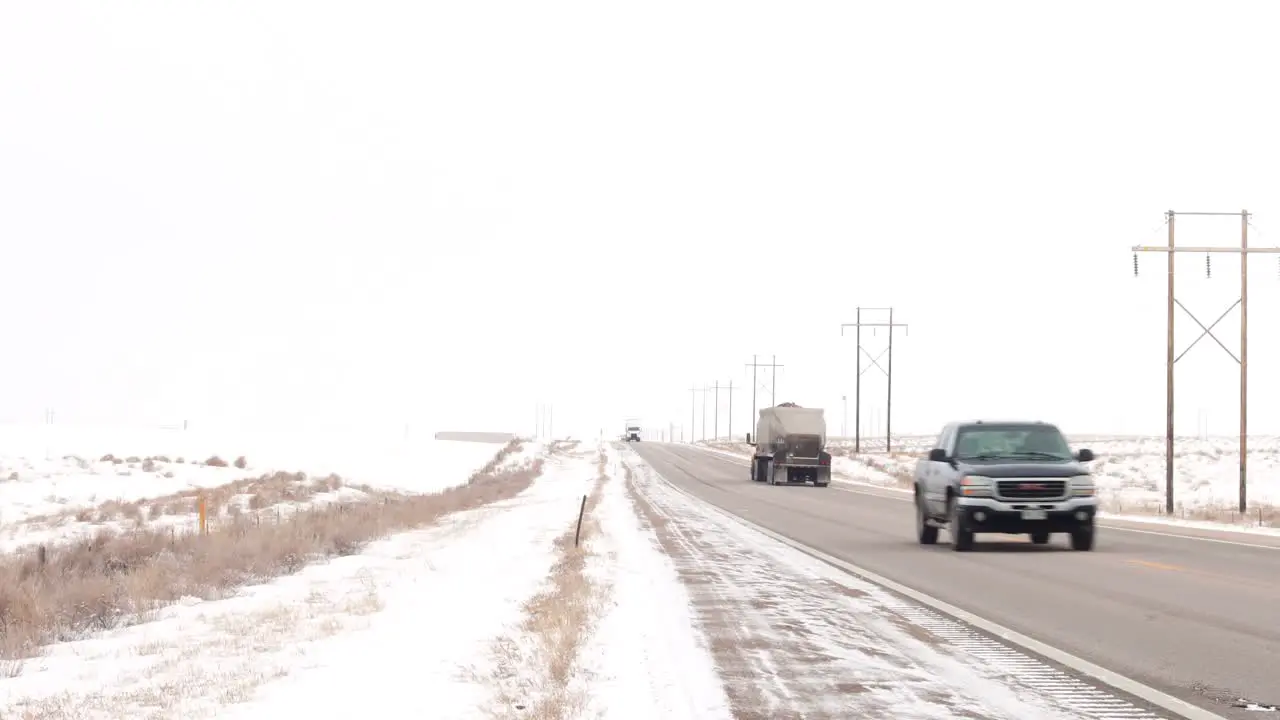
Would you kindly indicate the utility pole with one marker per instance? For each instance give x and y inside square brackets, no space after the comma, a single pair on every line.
[542,426]
[693,411]
[718,387]
[693,415]
[705,390]
[875,362]
[731,411]
[755,385]
[773,392]
[715,412]
[1171,359]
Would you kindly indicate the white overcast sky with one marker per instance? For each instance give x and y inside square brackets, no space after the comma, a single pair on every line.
[442,213]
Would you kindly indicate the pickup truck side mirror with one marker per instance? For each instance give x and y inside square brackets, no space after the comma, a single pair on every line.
[1084,455]
[937,455]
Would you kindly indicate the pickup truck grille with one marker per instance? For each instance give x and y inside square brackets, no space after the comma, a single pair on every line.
[1031,489]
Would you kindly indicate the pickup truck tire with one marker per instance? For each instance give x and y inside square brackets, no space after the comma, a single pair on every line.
[1082,539]
[928,534]
[1040,538]
[961,536]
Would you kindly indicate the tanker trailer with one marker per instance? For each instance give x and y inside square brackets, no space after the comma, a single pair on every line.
[790,447]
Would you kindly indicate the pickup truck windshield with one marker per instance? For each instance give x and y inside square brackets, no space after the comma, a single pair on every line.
[1024,442]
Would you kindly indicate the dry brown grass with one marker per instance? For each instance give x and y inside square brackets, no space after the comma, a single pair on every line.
[119,578]
[258,492]
[564,447]
[559,619]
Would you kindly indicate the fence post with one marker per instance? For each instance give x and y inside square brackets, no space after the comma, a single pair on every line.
[581,509]
[204,527]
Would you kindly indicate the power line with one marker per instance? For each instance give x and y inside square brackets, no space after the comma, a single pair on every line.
[693,416]
[543,423]
[718,387]
[1170,359]
[875,362]
[705,389]
[755,385]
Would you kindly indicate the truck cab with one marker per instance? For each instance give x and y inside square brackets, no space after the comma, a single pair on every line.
[1004,477]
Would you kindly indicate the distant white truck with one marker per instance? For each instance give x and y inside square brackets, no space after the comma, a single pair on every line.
[632,433]
[790,447]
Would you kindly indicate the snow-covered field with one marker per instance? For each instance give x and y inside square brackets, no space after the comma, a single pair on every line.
[61,482]
[1129,472]
[429,623]
[373,458]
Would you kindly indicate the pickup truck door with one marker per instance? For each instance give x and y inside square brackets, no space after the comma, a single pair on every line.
[938,474]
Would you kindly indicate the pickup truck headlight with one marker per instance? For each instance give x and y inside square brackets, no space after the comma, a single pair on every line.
[1082,486]
[975,486]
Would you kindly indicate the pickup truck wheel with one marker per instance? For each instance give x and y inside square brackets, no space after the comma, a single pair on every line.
[1040,538]
[927,533]
[961,536]
[1082,539]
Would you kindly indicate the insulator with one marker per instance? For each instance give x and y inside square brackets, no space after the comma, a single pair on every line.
[1135,264]
[1206,264]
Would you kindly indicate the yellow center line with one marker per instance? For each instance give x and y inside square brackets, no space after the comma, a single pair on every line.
[1263,585]
[1158,566]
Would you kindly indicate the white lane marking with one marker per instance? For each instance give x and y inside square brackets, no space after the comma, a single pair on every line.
[1102,522]
[1192,537]
[951,623]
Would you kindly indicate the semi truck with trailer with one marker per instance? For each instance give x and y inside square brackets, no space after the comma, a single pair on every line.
[790,447]
[632,432]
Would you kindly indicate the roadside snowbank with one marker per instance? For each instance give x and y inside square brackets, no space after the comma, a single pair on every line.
[646,658]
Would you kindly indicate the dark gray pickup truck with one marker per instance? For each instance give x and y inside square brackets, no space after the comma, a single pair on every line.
[1004,477]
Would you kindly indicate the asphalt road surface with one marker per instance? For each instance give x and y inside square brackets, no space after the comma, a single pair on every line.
[1192,617]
